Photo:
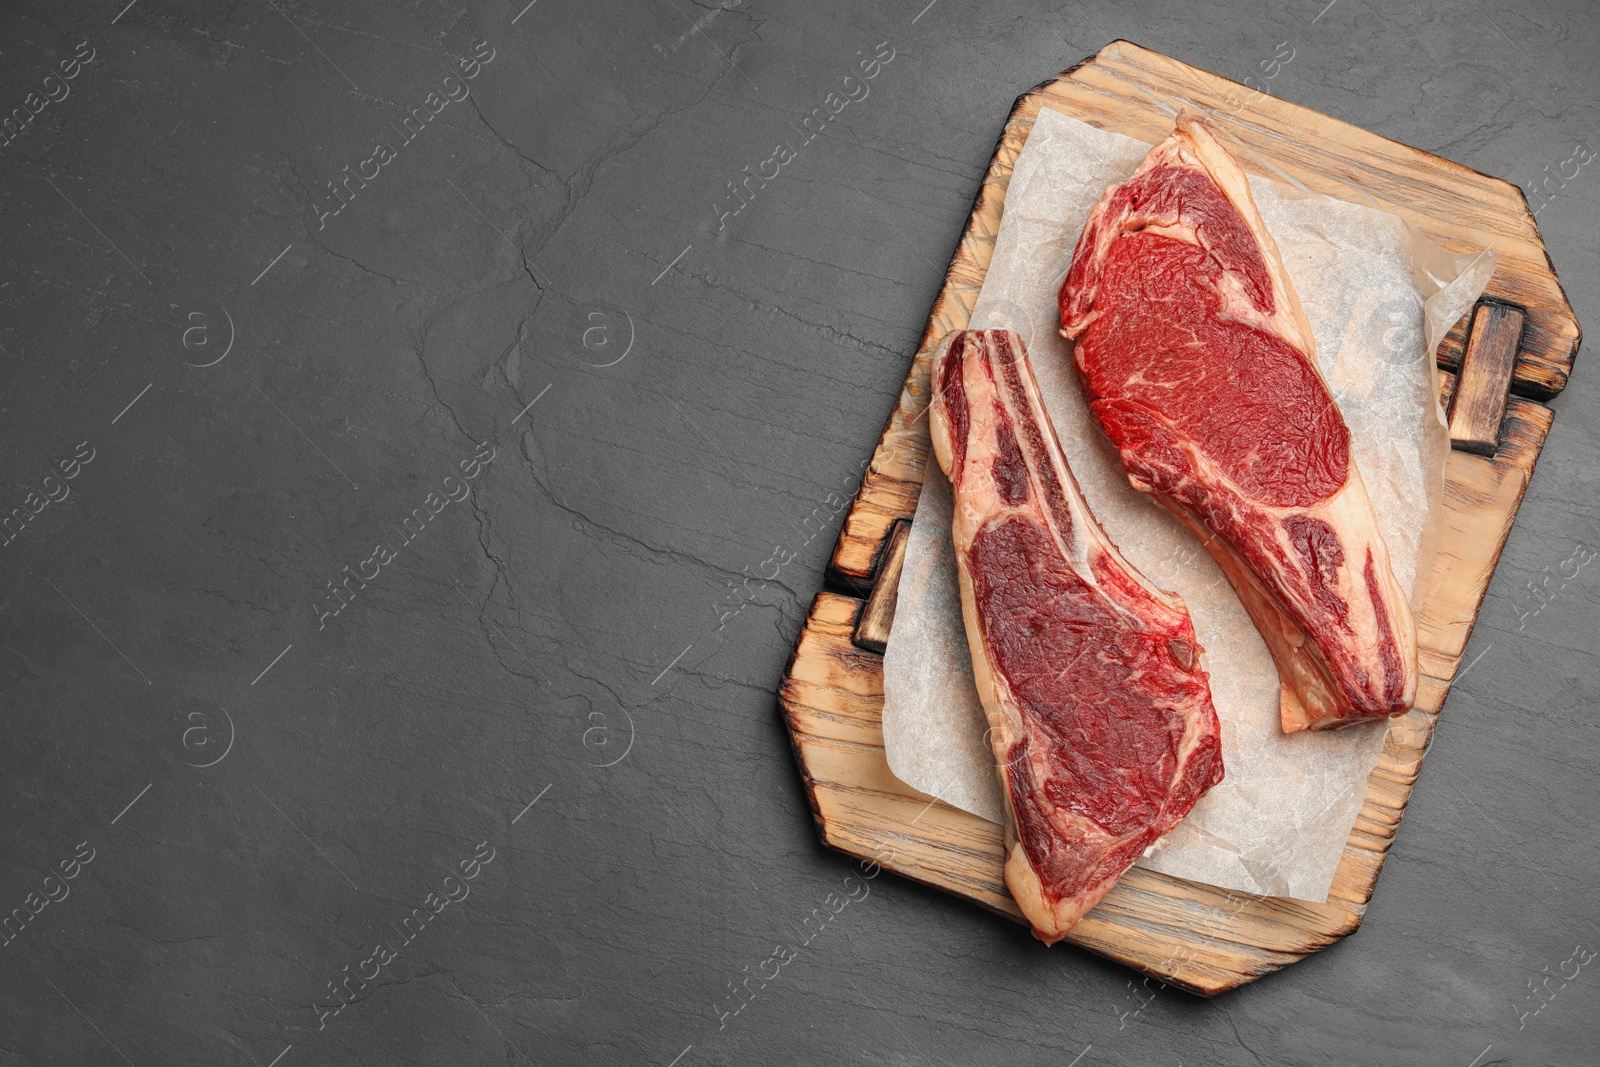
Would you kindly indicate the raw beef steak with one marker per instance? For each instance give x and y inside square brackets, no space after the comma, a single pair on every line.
[1099,711]
[1200,366]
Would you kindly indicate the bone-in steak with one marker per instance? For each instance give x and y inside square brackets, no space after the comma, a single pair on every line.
[1199,365]
[1100,714]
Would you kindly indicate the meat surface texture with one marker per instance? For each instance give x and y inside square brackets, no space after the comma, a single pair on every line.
[1200,366]
[1099,711]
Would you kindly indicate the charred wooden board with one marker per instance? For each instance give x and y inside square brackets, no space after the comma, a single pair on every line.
[1479,402]
[1198,937]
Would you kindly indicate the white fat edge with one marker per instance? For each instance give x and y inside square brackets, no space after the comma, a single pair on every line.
[1073,549]
[1000,704]
[1288,322]
[1076,550]
[982,444]
[938,424]
[976,479]
[1355,524]
[1349,513]
[1351,504]
[1401,615]
[1161,154]
[1343,511]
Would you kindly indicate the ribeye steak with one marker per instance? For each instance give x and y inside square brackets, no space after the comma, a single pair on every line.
[1099,711]
[1199,365]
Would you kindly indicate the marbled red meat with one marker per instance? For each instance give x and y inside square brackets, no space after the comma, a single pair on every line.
[1200,367]
[1102,725]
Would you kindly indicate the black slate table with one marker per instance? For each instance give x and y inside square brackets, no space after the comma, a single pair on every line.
[423,430]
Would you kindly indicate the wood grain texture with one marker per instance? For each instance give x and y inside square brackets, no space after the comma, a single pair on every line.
[1200,938]
[1479,401]
[1136,92]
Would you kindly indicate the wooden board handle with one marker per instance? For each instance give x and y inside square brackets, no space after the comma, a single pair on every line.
[1479,401]
[872,629]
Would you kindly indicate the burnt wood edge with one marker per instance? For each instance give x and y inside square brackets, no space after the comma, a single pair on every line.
[826,835]
[1453,346]
[1526,380]
[841,584]
[1447,357]
[1271,959]
[833,575]
[1535,390]
[1477,404]
[837,581]
[1516,450]
[834,578]
[1513,449]
[787,706]
[873,621]
[1523,432]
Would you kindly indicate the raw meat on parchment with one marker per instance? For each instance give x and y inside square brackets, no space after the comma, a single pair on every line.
[1200,366]
[1100,715]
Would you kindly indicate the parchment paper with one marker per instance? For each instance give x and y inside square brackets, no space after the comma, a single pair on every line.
[1379,297]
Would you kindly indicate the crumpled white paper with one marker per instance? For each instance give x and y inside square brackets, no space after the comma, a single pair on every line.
[1379,298]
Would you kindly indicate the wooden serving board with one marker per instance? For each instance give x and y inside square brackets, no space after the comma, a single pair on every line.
[1516,347]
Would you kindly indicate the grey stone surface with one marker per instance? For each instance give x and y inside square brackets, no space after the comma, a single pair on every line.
[700,394]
